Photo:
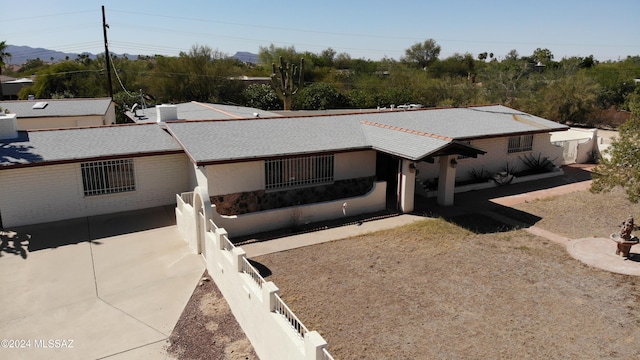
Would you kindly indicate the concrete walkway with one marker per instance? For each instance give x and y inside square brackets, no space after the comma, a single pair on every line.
[113,288]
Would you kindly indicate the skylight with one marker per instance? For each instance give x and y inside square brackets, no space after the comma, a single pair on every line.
[40,105]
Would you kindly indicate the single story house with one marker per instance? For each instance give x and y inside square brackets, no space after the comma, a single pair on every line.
[257,174]
[12,86]
[61,113]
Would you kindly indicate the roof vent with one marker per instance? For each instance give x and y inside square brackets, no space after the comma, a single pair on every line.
[8,126]
[166,113]
[40,105]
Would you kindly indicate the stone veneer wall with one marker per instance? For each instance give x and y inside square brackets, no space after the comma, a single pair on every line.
[261,200]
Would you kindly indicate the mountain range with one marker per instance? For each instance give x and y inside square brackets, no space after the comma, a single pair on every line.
[20,55]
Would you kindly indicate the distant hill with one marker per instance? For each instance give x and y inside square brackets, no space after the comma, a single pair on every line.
[20,55]
[246,57]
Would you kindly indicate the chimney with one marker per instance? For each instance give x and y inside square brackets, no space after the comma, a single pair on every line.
[8,126]
[166,113]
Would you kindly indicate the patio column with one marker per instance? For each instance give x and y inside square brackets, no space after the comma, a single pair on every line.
[407,186]
[447,180]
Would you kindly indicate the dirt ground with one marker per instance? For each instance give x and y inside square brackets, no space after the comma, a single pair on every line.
[437,290]
[207,329]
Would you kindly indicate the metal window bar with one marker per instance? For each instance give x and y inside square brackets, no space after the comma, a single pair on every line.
[520,143]
[300,171]
[248,269]
[108,177]
[282,309]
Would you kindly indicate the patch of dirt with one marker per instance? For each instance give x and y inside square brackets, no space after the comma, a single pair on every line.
[208,330]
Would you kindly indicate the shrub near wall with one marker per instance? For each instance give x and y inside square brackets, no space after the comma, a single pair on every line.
[261,200]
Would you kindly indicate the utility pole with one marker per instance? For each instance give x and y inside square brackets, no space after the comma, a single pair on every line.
[107,57]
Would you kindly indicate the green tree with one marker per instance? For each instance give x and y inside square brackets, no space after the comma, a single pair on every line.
[622,165]
[3,56]
[320,96]
[570,99]
[542,55]
[261,96]
[272,54]
[423,54]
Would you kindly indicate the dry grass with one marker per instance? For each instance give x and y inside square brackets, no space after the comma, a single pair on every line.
[583,214]
[435,290]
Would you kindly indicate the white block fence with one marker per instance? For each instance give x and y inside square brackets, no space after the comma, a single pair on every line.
[273,329]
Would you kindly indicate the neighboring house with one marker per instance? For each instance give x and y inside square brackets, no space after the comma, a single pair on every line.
[259,174]
[50,175]
[193,111]
[61,113]
[11,86]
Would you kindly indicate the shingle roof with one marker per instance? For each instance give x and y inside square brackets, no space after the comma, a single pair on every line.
[204,111]
[58,107]
[410,134]
[216,141]
[413,135]
[55,146]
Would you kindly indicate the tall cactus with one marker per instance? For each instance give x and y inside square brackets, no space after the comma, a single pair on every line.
[286,80]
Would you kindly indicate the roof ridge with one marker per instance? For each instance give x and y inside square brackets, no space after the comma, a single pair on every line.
[415,132]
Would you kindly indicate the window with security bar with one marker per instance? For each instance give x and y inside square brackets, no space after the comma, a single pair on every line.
[108,177]
[520,143]
[298,172]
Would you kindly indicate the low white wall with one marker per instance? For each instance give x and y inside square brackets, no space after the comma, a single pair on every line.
[252,305]
[256,222]
[185,222]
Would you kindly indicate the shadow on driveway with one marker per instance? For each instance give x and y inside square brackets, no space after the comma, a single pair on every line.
[60,233]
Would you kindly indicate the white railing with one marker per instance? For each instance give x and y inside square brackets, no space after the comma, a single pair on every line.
[282,309]
[187,198]
[248,269]
[258,310]
[326,355]
[227,245]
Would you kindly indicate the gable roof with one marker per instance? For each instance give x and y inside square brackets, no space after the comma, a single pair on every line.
[414,135]
[223,141]
[46,147]
[58,107]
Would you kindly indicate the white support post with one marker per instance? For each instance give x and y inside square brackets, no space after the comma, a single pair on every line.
[269,290]
[220,233]
[238,256]
[447,180]
[313,345]
[408,179]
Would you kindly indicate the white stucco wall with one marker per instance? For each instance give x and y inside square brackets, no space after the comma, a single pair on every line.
[235,177]
[249,176]
[50,193]
[60,122]
[354,165]
[496,158]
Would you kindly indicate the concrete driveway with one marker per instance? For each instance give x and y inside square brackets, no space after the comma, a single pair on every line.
[110,286]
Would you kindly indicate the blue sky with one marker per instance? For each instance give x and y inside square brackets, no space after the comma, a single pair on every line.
[609,30]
